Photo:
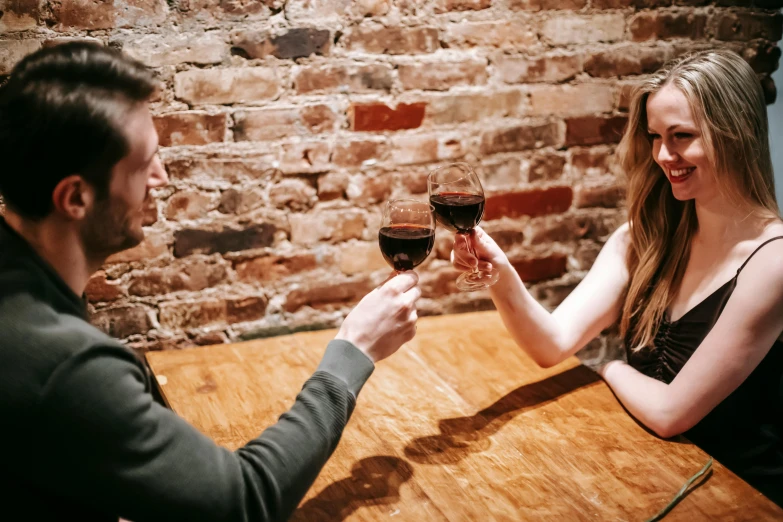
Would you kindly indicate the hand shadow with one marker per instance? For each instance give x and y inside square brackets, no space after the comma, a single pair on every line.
[461,436]
[375,481]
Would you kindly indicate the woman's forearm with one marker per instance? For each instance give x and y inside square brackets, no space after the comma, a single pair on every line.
[530,324]
[645,398]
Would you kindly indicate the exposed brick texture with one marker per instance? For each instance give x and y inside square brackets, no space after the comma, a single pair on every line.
[285,126]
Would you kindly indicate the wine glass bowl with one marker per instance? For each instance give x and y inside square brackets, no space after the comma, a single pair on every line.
[407,233]
[457,198]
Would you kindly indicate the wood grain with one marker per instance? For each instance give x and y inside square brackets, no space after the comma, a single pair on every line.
[459,425]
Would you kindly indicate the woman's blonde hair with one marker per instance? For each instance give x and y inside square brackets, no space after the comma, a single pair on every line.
[727,102]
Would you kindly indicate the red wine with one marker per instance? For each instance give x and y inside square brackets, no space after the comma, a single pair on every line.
[458,211]
[406,246]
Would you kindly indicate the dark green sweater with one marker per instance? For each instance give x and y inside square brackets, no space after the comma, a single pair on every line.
[83,438]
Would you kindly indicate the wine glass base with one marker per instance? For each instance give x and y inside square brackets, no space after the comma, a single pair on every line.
[478,280]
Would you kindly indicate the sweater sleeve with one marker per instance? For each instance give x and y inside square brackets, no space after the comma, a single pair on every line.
[111,447]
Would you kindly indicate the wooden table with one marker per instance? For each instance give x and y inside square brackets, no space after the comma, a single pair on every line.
[459,425]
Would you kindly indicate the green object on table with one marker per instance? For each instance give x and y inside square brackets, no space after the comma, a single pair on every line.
[680,494]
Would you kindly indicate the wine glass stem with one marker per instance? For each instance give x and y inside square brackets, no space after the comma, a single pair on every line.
[471,250]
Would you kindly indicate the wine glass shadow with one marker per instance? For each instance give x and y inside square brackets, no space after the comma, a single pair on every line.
[461,436]
[374,481]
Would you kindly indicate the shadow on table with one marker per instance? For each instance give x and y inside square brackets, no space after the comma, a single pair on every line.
[374,481]
[462,436]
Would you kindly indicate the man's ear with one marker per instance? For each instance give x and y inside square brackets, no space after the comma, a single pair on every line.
[73,197]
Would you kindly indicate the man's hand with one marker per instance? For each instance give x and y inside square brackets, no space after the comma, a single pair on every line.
[384,319]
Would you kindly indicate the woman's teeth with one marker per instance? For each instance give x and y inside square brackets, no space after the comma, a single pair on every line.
[681,172]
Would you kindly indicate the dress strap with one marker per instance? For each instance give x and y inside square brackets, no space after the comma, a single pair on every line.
[757,249]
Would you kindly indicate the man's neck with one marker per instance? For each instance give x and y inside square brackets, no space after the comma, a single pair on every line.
[58,244]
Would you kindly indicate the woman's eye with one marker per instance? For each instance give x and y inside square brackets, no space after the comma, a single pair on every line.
[654,136]
[682,135]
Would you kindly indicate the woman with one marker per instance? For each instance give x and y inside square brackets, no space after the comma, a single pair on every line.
[695,278]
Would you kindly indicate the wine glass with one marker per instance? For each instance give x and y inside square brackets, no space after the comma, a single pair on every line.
[457,198]
[407,233]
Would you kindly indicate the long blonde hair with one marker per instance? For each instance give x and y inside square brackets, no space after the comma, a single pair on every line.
[727,102]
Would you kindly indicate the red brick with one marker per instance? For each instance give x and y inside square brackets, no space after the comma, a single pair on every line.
[438,283]
[545,167]
[594,130]
[192,314]
[371,8]
[440,76]
[748,26]
[523,137]
[549,68]
[150,210]
[625,60]
[273,268]
[101,290]
[341,292]
[245,309]
[536,202]
[209,241]
[295,43]
[293,194]
[582,98]
[380,117]
[575,29]
[364,190]
[607,195]
[205,312]
[91,15]
[590,162]
[413,179]
[653,25]
[538,5]
[504,174]
[540,268]
[122,321]
[307,157]
[392,40]
[210,338]
[352,78]
[616,4]
[506,235]
[764,57]
[189,204]
[190,128]
[416,148]
[445,6]
[155,244]
[332,186]
[232,85]
[361,258]
[355,153]
[20,15]
[11,51]
[459,108]
[333,225]
[627,90]
[281,122]
[233,201]
[324,12]
[501,34]
[193,275]
[558,229]
[156,50]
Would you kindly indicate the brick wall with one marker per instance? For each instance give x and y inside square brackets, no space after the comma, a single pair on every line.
[286,124]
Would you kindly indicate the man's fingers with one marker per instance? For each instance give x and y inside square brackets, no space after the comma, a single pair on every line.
[402,282]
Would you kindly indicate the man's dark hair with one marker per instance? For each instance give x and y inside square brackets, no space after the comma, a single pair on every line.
[61,114]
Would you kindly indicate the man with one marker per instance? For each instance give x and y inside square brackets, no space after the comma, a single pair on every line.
[82,437]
